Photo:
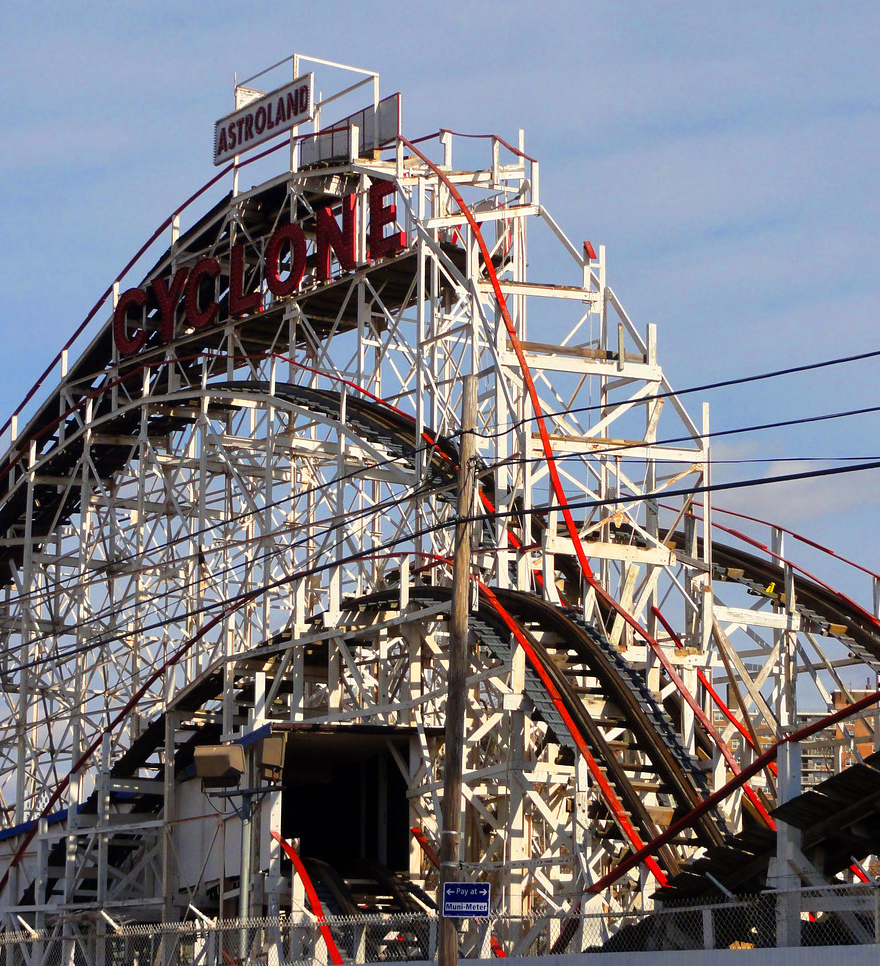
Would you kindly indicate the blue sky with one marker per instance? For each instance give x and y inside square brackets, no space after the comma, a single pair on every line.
[724,153]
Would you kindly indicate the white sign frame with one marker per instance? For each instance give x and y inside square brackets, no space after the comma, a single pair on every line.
[247,127]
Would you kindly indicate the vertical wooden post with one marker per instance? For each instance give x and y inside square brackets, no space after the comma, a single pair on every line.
[457,675]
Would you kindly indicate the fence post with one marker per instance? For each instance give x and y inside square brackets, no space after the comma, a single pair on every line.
[485,939]
[432,938]
[579,936]
[360,943]
[708,930]
[101,944]
[876,915]
[320,952]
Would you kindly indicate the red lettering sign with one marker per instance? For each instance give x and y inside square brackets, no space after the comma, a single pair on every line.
[167,301]
[198,318]
[127,346]
[292,235]
[240,303]
[380,216]
[342,242]
[284,252]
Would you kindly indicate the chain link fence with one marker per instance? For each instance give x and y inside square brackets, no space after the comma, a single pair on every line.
[831,916]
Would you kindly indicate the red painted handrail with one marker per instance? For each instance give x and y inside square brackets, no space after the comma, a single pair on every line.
[314,901]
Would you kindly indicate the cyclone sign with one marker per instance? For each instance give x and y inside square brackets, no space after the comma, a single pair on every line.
[282,266]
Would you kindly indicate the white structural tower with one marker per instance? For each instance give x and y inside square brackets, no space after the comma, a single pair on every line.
[230,523]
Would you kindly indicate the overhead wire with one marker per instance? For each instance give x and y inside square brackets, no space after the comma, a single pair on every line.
[608,450]
[712,461]
[592,452]
[227,521]
[115,610]
[433,528]
[703,387]
[422,449]
[540,415]
[611,449]
[686,491]
[765,481]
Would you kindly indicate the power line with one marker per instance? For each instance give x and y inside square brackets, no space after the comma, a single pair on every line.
[687,491]
[114,610]
[448,524]
[433,446]
[680,392]
[234,518]
[612,449]
[705,387]
[712,461]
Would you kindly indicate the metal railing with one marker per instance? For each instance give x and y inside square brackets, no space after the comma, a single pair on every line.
[832,916]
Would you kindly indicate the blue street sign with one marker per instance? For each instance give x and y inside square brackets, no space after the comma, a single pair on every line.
[461,900]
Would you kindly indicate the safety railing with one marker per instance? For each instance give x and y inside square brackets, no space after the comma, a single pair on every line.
[830,916]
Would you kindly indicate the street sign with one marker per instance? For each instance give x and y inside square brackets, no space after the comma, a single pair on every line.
[461,900]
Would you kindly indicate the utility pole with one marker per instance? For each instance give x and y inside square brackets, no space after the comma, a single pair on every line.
[450,835]
[248,807]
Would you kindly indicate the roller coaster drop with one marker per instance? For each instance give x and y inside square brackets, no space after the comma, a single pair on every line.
[231,521]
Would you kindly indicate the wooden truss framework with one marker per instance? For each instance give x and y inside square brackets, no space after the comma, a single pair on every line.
[225,491]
